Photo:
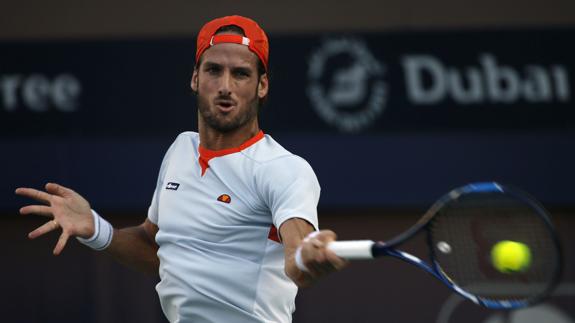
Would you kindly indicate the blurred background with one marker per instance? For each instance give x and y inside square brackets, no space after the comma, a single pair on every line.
[392,102]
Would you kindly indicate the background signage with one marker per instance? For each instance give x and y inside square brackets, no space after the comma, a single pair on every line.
[415,113]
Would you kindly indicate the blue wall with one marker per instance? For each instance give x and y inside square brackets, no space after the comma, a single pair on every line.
[99,115]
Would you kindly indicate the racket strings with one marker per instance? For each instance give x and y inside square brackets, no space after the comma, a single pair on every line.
[464,232]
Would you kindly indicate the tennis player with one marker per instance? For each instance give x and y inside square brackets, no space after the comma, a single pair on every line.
[232,228]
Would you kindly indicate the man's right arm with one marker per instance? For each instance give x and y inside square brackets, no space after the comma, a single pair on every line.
[70,212]
[136,248]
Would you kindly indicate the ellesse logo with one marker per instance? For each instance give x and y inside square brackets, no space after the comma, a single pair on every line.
[225,198]
[172,186]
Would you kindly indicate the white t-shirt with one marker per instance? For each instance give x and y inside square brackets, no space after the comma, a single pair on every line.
[217,213]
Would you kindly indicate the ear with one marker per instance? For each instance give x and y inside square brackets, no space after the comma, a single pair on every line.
[263,86]
[194,81]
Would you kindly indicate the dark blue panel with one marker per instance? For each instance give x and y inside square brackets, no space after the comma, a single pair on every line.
[496,80]
[99,115]
[360,170]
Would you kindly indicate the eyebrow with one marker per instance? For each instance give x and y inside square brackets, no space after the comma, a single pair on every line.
[212,64]
[242,68]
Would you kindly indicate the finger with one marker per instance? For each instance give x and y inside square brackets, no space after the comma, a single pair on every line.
[61,243]
[324,265]
[337,262]
[42,210]
[320,269]
[315,270]
[323,261]
[35,194]
[57,189]
[43,229]
[312,239]
[326,236]
[316,243]
[312,269]
[312,259]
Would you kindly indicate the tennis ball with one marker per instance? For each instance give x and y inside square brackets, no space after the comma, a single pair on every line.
[510,256]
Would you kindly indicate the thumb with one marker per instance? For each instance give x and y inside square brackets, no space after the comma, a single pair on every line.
[326,236]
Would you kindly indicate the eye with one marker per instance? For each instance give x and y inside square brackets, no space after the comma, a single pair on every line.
[212,69]
[242,73]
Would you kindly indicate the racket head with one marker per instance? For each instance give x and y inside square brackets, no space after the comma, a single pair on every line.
[464,225]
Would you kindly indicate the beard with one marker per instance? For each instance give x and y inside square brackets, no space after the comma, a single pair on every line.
[223,123]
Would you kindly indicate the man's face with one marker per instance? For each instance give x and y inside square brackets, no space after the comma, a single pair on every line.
[228,87]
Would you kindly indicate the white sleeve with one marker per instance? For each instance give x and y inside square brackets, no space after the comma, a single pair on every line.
[153,209]
[290,188]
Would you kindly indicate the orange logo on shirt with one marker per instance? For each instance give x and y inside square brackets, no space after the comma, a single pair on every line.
[225,198]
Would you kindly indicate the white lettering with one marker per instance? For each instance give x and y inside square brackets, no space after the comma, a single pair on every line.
[429,81]
[415,66]
[537,87]
[35,93]
[561,83]
[9,85]
[474,92]
[38,93]
[66,90]
[502,81]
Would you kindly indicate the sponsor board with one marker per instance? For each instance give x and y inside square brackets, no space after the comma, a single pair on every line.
[360,83]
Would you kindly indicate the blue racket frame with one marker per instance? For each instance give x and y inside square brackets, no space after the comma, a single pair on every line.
[389,248]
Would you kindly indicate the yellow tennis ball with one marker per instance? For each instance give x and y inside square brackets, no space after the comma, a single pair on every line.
[510,256]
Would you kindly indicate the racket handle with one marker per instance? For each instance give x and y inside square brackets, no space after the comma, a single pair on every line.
[354,249]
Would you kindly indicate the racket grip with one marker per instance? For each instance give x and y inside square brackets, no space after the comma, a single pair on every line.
[353,249]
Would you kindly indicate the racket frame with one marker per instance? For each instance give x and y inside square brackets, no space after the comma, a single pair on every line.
[389,248]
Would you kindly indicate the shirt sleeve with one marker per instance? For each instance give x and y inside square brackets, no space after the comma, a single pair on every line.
[153,209]
[290,188]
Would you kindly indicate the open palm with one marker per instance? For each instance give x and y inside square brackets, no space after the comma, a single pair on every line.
[67,209]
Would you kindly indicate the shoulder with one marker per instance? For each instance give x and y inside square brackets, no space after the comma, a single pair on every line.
[187,136]
[266,150]
[182,143]
[185,139]
[274,161]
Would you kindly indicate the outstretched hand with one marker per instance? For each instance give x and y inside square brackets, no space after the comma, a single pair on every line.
[67,209]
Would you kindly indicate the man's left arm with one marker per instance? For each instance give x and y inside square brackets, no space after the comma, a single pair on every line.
[315,257]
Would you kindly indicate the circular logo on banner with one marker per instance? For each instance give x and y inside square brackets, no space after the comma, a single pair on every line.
[346,86]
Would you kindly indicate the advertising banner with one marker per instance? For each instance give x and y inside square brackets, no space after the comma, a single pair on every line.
[396,118]
[353,83]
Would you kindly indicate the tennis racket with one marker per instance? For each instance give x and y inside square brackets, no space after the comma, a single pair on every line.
[461,229]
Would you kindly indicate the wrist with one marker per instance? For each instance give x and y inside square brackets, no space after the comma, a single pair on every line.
[299,260]
[298,253]
[103,232]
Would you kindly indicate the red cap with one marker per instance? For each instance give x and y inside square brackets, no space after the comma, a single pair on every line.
[255,38]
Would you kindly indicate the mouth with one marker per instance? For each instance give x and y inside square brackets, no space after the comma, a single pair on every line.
[225,105]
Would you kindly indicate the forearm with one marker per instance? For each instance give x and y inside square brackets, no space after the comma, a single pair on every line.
[134,248]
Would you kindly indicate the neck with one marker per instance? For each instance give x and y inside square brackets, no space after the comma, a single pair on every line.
[213,139]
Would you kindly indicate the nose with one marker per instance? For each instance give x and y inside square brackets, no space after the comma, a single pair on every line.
[225,84]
